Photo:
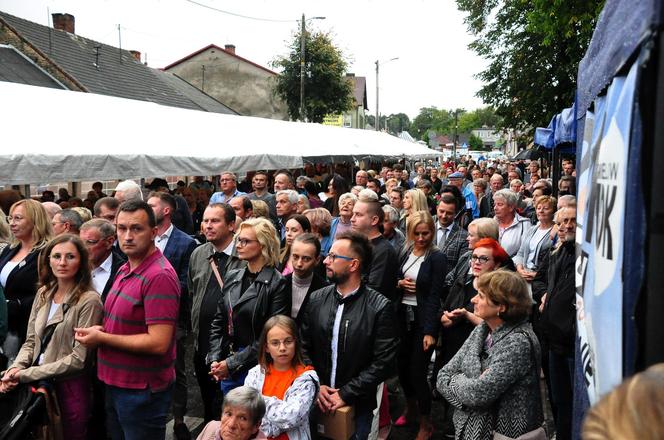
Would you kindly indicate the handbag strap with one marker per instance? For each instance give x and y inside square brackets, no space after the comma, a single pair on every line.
[48,335]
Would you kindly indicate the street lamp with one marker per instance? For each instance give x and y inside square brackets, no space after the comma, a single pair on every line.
[302,39]
[378,63]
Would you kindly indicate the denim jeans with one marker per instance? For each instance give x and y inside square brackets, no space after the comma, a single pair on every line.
[137,414]
[363,419]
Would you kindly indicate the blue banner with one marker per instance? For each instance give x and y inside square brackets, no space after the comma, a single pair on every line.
[602,177]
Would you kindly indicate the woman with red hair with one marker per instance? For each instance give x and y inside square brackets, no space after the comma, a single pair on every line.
[458,319]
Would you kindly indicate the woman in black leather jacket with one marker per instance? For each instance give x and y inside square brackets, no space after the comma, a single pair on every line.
[422,271]
[250,296]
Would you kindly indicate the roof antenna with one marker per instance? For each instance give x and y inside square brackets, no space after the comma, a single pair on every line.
[50,29]
[120,43]
[97,54]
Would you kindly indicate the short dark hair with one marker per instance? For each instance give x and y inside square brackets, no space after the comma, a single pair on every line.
[246,203]
[309,238]
[302,220]
[166,198]
[229,212]
[449,199]
[133,205]
[359,245]
[399,190]
[109,202]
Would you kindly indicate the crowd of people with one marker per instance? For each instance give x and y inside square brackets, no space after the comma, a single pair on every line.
[302,295]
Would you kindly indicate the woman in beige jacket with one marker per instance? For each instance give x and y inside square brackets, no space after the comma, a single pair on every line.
[64,301]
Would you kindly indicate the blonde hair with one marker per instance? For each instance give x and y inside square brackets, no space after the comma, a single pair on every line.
[417,218]
[85,213]
[260,209]
[486,228]
[634,410]
[42,231]
[418,200]
[266,235]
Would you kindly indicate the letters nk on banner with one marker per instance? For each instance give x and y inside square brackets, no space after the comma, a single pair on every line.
[600,235]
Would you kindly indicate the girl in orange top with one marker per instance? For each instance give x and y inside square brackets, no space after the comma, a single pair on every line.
[289,388]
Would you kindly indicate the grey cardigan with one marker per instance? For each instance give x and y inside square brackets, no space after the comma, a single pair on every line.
[496,388]
[524,251]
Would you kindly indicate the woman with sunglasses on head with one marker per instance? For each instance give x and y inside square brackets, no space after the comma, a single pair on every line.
[64,301]
[422,270]
[289,388]
[31,228]
[250,297]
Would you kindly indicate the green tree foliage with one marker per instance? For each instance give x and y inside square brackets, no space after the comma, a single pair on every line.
[533,48]
[326,89]
[482,117]
[432,119]
[396,123]
[475,143]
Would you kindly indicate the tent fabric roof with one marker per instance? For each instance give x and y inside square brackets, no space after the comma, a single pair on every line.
[114,72]
[53,135]
[621,28]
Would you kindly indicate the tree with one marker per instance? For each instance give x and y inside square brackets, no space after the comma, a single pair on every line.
[326,89]
[533,48]
[432,119]
[398,123]
[475,143]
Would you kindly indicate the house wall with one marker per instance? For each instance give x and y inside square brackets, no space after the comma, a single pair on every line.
[243,87]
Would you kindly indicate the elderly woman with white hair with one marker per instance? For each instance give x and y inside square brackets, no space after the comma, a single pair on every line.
[241,416]
[511,225]
[341,223]
[127,190]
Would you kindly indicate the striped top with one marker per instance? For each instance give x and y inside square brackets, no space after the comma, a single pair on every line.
[148,295]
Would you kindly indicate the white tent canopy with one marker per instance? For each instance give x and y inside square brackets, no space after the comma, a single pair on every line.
[50,135]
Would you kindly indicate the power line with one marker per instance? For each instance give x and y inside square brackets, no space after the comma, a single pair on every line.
[240,15]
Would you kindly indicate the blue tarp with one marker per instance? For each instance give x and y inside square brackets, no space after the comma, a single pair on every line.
[544,137]
[565,132]
[622,26]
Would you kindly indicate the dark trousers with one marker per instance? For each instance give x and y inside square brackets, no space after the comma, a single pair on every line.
[180,389]
[561,370]
[210,390]
[413,362]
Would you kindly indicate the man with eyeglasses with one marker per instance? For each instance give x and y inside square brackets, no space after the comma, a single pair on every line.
[361,353]
[228,186]
[558,321]
[105,259]
[66,221]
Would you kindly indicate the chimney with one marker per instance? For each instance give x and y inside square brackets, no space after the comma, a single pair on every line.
[136,54]
[230,48]
[63,22]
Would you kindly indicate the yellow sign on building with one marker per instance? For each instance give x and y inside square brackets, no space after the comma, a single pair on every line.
[334,120]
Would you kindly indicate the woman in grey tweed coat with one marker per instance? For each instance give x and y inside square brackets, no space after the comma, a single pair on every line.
[493,380]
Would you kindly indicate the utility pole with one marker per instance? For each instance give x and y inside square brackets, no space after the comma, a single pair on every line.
[302,46]
[378,63]
[377,113]
[456,137]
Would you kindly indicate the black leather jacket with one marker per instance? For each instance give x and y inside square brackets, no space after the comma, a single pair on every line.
[263,299]
[367,348]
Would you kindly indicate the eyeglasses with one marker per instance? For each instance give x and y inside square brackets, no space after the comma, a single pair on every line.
[333,257]
[242,242]
[275,343]
[10,218]
[481,259]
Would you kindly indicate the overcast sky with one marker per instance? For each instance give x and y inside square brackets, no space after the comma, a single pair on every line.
[435,66]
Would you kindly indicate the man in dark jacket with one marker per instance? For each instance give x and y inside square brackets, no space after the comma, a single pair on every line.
[558,323]
[381,274]
[361,352]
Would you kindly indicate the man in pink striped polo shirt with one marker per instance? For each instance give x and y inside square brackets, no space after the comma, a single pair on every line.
[136,345]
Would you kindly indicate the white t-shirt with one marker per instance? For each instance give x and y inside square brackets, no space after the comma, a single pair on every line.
[51,312]
[4,274]
[412,266]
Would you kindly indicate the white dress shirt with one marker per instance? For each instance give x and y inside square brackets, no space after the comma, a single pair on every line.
[101,274]
[335,338]
[162,240]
